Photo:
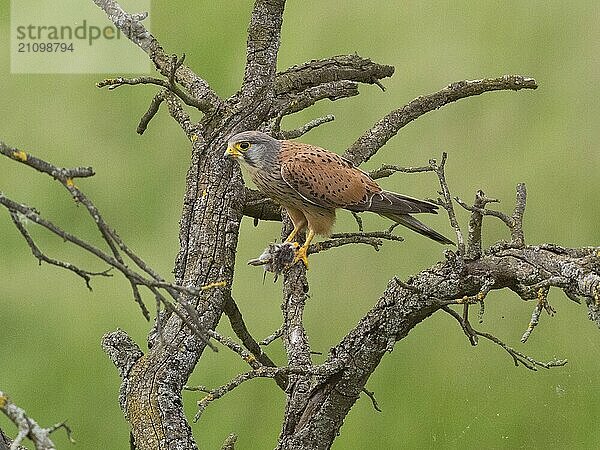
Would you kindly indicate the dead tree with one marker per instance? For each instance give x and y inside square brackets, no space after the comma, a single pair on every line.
[319,396]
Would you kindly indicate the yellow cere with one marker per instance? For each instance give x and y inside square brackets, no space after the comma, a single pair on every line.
[20,155]
[70,182]
[3,400]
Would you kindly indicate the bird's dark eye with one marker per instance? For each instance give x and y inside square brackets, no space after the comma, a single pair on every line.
[244,145]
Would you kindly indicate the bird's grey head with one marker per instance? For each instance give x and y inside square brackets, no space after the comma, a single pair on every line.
[254,148]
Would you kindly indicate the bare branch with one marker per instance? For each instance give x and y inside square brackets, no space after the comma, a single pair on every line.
[263,45]
[514,222]
[293,134]
[259,207]
[333,90]
[518,357]
[241,330]
[177,112]
[86,275]
[516,231]
[111,238]
[371,395]
[446,202]
[474,244]
[262,372]
[464,323]
[376,137]
[272,337]
[358,220]
[131,26]
[152,110]
[215,394]
[168,84]
[342,67]
[28,427]
[373,238]
[387,170]
[61,174]
[542,304]
[229,443]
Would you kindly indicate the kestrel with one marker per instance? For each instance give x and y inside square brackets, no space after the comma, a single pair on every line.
[311,183]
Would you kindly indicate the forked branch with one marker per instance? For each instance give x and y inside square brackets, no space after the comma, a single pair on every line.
[28,427]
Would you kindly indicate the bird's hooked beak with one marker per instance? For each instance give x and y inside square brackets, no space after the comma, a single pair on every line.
[232,152]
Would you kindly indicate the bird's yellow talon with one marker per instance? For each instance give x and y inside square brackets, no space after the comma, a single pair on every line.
[301,256]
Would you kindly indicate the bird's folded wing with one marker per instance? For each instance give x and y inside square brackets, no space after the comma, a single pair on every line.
[325,178]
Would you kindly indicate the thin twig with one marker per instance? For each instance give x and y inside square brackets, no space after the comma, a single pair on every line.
[85,274]
[541,305]
[264,372]
[151,112]
[296,133]
[446,201]
[110,236]
[272,337]
[358,220]
[169,84]
[60,173]
[215,394]
[465,325]
[518,357]
[371,395]
[238,325]
[65,427]
[387,170]
[28,427]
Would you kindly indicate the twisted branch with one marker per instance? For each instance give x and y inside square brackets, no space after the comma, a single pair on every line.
[373,139]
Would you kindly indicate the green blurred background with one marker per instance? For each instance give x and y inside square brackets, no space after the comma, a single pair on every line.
[435,390]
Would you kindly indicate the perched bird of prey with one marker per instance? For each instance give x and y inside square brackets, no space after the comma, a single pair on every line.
[311,183]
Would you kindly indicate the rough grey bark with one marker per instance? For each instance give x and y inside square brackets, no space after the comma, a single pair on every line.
[318,396]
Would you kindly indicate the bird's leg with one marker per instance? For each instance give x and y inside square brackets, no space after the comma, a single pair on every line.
[301,252]
[293,234]
[299,221]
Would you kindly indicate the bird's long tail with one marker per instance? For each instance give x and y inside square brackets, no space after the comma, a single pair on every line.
[415,225]
[398,208]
